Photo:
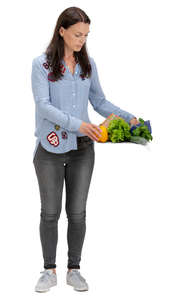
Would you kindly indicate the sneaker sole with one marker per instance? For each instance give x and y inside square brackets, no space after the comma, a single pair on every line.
[77,289]
[44,290]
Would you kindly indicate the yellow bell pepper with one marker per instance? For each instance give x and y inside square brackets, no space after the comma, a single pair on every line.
[104,134]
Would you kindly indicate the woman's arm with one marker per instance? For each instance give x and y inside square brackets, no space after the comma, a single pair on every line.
[40,89]
[99,101]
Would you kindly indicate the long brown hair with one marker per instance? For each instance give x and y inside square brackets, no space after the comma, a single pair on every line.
[55,50]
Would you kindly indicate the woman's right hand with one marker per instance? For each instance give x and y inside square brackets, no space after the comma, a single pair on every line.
[90,130]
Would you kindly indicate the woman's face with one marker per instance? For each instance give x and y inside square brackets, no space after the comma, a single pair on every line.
[75,36]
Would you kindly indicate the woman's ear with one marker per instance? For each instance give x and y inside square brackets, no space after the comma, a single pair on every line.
[61,31]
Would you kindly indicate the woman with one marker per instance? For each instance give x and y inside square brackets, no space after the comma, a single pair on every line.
[63,79]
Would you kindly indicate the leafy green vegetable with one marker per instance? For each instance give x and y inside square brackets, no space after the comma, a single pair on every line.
[119,131]
[142,131]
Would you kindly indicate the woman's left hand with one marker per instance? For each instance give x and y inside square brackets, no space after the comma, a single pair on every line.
[134,121]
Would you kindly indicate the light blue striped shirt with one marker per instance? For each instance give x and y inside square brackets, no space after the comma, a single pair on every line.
[61,106]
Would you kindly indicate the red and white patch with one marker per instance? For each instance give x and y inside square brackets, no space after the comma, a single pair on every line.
[53,139]
[62,68]
[51,77]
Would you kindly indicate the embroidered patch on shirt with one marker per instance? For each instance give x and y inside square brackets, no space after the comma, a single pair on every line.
[64,134]
[82,76]
[46,65]
[51,77]
[57,127]
[62,68]
[53,139]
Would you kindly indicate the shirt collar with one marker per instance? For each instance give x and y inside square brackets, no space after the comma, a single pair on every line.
[66,71]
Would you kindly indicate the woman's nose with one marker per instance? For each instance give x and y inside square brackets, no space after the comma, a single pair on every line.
[82,40]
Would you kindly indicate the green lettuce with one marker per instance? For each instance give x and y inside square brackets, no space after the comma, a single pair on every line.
[119,131]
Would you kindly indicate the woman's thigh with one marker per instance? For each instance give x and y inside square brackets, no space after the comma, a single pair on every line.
[50,174]
[78,174]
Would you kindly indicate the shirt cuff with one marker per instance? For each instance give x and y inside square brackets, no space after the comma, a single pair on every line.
[129,118]
[76,124]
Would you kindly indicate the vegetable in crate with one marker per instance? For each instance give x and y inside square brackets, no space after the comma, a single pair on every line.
[119,130]
[104,134]
[143,130]
[147,123]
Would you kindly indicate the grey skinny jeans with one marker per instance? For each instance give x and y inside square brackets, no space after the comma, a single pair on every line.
[76,167]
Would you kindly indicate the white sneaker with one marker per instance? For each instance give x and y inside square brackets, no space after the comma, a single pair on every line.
[46,281]
[75,279]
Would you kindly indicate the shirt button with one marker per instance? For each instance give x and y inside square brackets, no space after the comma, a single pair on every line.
[73,94]
[73,105]
[57,127]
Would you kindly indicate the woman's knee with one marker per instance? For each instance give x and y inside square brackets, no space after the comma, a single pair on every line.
[76,217]
[50,217]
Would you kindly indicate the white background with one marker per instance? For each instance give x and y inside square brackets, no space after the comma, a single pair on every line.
[127,247]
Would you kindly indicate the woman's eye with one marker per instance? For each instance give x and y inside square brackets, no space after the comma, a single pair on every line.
[80,35]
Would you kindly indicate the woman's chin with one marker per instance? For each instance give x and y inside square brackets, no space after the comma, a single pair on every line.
[77,48]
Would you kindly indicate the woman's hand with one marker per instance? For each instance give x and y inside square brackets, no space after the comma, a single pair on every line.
[134,121]
[90,130]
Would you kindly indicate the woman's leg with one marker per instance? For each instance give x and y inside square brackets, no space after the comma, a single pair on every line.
[78,173]
[49,169]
